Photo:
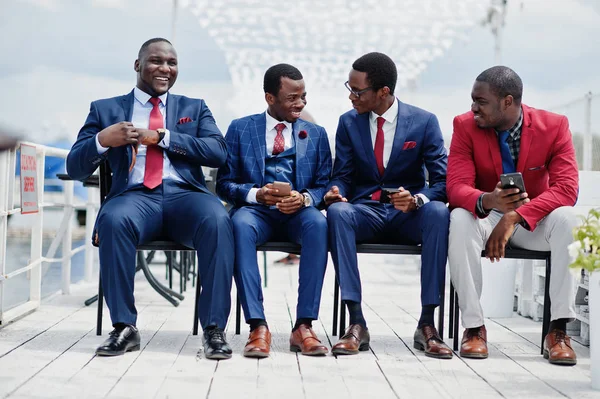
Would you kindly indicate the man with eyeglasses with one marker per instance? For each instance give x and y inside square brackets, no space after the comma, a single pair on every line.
[379,192]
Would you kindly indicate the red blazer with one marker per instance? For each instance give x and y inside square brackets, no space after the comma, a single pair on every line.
[546,160]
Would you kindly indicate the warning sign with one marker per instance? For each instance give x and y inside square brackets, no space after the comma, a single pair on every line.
[29,194]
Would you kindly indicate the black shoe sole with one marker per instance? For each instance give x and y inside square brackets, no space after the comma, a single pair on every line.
[133,348]
[218,356]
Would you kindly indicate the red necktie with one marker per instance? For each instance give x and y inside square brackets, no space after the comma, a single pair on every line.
[379,139]
[279,144]
[154,154]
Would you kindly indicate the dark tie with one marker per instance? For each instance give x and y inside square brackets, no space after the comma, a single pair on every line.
[508,165]
[379,139]
[279,144]
[154,154]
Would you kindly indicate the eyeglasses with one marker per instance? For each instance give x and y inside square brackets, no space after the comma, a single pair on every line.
[357,93]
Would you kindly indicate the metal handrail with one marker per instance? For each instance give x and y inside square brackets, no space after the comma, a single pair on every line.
[8,185]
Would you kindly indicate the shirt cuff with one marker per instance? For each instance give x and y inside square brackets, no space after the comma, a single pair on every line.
[164,143]
[101,150]
[423,197]
[310,200]
[251,197]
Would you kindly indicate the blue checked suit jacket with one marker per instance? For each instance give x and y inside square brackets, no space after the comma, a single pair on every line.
[246,154]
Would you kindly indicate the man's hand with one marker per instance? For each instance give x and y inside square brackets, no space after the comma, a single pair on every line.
[119,134]
[505,200]
[494,248]
[333,196]
[267,195]
[403,201]
[291,203]
[147,137]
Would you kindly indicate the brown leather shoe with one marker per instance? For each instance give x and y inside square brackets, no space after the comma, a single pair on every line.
[305,340]
[474,343]
[428,339]
[259,343]
[558,350]
[355,339]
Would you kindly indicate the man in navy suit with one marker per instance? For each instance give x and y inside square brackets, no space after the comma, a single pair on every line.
[161,192]
[278,146]
[386,144]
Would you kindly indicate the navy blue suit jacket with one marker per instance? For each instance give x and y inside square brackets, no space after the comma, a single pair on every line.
[247,151]
[192,145]
[418,146]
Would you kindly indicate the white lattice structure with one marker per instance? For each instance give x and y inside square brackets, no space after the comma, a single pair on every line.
[323,38]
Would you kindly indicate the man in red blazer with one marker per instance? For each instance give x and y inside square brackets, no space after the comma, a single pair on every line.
[501,135]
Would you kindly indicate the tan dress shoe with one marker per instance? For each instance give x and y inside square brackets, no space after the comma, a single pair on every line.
[355,339]
[558,350]
[428,339]
[474,343]
[305,340]
[259,343]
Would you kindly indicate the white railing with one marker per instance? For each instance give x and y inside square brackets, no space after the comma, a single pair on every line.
[8,184]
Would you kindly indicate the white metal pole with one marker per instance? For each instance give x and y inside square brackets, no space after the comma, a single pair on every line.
[67,243]
[173,22]
[4,176]
[587,133]
[35,282]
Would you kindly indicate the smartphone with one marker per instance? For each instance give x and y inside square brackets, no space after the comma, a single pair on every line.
[512,180]
[384,198]
[284,188]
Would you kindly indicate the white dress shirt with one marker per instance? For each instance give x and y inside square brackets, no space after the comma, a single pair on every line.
[389,131]
[141,119]
[271,132]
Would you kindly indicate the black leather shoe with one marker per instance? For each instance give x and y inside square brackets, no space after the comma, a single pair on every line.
[120,340]
[215,345]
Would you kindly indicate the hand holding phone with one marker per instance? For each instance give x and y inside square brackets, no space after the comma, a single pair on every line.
[508,195]
[384,198]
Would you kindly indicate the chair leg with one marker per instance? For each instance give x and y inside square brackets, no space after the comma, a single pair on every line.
[196,304]
[265,268]
[100,306]
[238,314]
[441,311]
[451,312]
[342,316]
[170,262]
[546,319]
[456,321]
[336,299]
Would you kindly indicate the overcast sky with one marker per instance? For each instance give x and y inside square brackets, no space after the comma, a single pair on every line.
[59,55]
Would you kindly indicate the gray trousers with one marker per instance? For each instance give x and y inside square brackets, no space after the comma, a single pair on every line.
[468,236]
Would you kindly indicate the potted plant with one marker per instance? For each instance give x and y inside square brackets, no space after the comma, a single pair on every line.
[585,254]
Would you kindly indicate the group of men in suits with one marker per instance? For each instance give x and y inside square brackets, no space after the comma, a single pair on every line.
[388,183]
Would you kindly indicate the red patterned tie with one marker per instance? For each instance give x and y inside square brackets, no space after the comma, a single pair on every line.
[379,139]
[154,154]
[279,144]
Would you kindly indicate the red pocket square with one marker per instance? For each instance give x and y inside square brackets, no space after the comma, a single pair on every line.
[409,144]
[184,120]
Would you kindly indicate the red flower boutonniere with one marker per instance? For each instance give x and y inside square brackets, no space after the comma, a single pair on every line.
[302,134]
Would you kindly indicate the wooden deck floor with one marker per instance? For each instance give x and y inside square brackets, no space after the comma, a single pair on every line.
[50,353]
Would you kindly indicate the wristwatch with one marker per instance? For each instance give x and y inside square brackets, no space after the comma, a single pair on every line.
[419,201]
[161,134]
[307,200]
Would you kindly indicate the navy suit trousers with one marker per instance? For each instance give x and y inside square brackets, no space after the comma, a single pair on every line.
[372,221]
[176,212]
[255,225]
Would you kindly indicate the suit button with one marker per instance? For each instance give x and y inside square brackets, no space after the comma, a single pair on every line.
[278,170]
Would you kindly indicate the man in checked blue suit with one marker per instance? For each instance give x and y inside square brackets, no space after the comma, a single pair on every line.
[161,192]
[386,144]
[278,146]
